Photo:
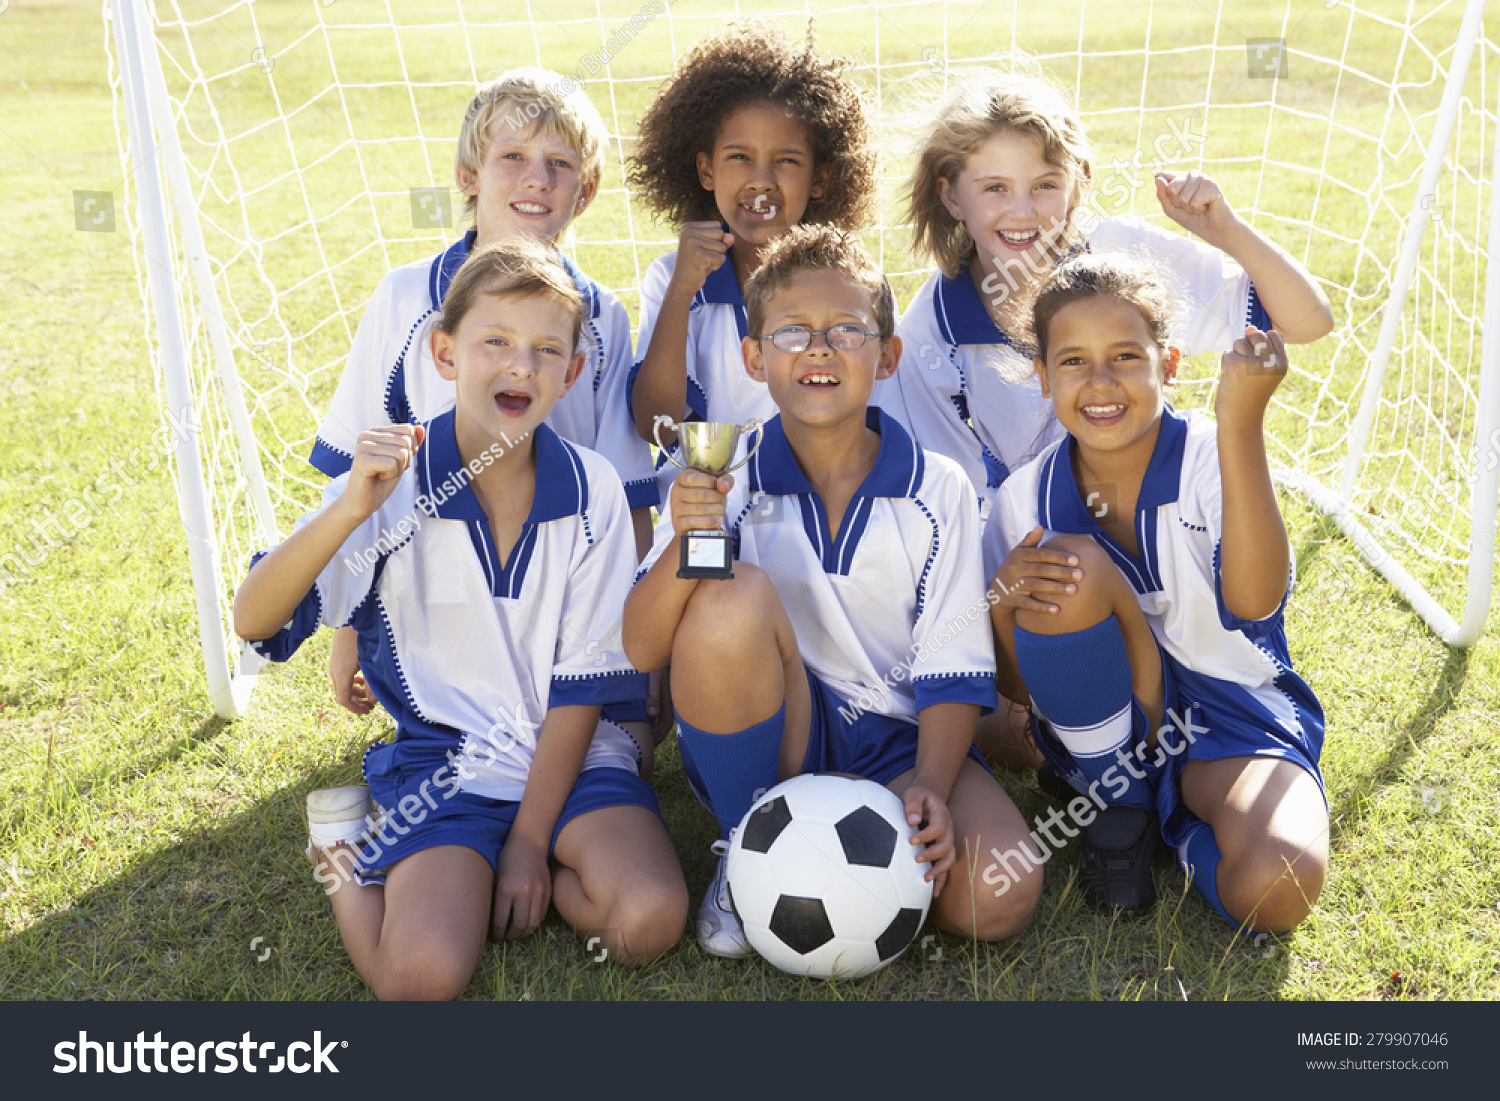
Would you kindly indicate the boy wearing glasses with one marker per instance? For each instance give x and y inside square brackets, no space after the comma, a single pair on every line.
[853,636]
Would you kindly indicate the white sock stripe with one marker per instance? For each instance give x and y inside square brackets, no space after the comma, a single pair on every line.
[324,834]
[1096,740]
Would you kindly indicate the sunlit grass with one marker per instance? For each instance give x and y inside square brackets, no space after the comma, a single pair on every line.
[146,845]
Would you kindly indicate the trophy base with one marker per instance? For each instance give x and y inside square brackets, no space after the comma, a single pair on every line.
[706,555]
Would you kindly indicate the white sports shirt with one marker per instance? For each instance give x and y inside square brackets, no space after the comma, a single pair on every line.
[968,390]
[891,613]
[389,377]
[1178,527]
[718,389]
[466,654]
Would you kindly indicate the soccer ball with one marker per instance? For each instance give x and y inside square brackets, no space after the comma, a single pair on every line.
[823,876]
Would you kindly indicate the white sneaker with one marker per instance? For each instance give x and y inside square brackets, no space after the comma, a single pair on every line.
[719,931]
[337,816]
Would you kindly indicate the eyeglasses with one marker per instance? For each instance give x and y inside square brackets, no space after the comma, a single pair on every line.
[798,338]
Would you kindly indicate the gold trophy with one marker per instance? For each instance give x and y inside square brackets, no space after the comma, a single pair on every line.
[708,447]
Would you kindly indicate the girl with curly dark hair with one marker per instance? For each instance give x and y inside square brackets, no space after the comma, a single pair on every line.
[753,134]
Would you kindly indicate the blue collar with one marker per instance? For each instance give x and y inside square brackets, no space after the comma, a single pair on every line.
[586,286]
[722,285]
[898,469]
[446,264]
[561,484]
[1060,505]
[961,316]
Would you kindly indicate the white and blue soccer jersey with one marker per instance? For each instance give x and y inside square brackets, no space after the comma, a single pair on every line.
[466,652]
[718,389]
[1237,673]
[390,378]
[890,613]
[969,390]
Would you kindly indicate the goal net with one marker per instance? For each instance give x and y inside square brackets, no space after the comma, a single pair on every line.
[283,155]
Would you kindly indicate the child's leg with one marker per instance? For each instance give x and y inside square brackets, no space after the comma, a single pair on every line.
[619,880]
[418,938]
[729,695]
[1084,664]
[1263,859]
[1004,737]
[986,826]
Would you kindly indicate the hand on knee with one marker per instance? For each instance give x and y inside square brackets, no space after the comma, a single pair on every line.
[1094,599]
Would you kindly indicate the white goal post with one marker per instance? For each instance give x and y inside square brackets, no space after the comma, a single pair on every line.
[281,156]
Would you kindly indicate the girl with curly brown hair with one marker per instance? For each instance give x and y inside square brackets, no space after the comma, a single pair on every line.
[751,135]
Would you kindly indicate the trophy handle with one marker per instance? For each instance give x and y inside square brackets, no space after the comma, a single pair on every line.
[664,421]
[759,429]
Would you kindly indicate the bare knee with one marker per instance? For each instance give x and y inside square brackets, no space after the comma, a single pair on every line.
[1093,603]
[723,617]
[646,924]
[1273,888]
[425,975]
[993,904]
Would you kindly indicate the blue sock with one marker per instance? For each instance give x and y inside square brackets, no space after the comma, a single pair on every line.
[1200,854]
[732,769]
[1080,682]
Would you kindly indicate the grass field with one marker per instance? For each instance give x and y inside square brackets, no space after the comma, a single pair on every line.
[151,850]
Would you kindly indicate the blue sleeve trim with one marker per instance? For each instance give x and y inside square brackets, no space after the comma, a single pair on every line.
[635,370]
[696,399]
[303,625]
[976,688]
[618,713]
[642,494]
[330,460]
[1253,629]
[618,686]
[1257,315]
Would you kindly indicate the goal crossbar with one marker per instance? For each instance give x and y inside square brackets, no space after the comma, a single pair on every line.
[1367,442]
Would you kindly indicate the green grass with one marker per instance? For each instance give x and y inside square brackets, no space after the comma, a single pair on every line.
[146,844]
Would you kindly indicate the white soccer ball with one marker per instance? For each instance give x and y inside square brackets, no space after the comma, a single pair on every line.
[823,876]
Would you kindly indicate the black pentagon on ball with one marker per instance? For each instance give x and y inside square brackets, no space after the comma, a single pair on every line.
[765,825]
[801,923]
[899,933]
[868,839]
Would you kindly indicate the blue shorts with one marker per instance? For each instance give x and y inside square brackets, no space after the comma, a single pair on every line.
[1234,725]
[1208,719]
[482,824]
[873,746]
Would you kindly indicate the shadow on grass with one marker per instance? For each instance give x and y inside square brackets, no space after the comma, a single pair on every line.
[232,911]
[61,784]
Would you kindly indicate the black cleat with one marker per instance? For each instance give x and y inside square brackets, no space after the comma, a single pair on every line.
[1053,786]
[1116,858]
